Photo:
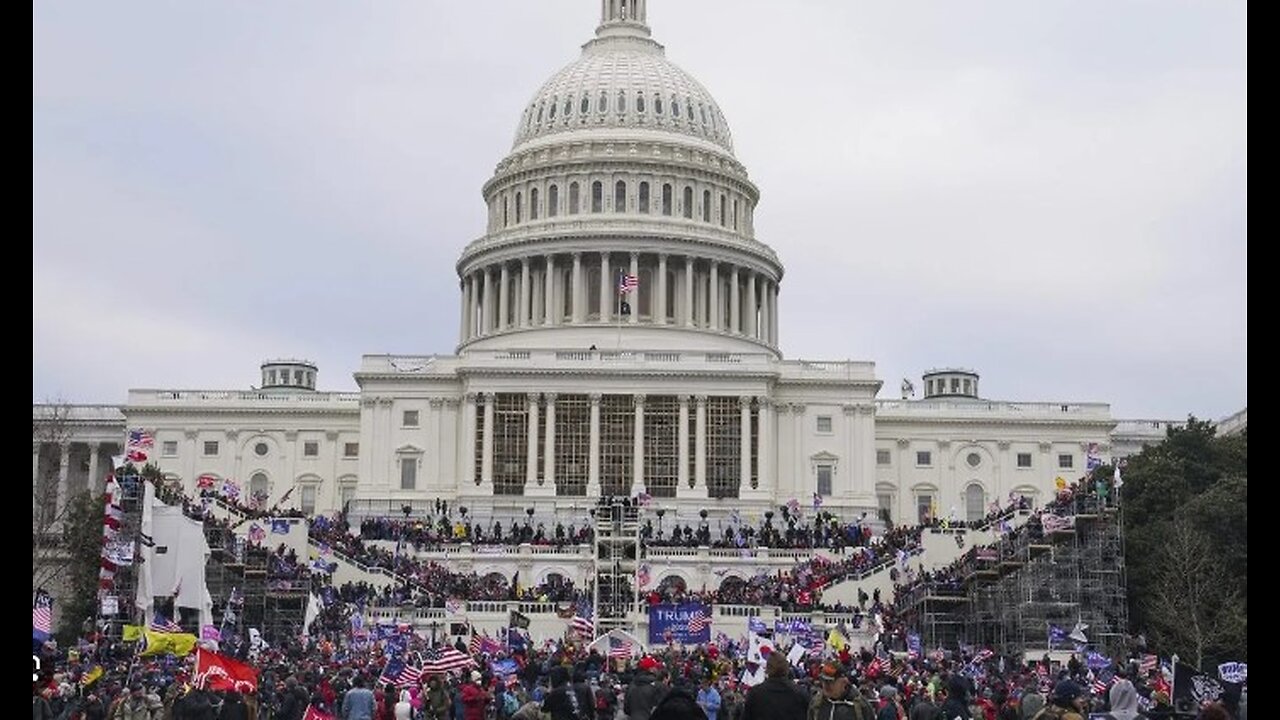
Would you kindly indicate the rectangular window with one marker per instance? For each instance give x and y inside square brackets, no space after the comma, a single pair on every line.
[924,508]
[169,448]
[210,448]
[1066,461]
[310,448]
[882,457]
[408,473]
[924,458]
[410,418]
[824,480]
[308,503]
[824,423]
[1024,460]
[351,450]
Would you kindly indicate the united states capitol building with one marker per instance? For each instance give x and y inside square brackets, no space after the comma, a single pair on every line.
[618,325]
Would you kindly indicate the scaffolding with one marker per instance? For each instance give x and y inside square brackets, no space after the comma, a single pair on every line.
[1068,572]
[617,551]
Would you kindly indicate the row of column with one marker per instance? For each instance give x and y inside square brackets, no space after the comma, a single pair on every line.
[540,294]
[699,406]
[64,467]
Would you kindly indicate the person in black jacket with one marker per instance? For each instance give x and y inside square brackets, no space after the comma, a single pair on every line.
[643,692]
[957,705]
[777,698]
[567,701]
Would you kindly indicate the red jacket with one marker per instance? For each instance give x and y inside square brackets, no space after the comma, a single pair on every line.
[474,700]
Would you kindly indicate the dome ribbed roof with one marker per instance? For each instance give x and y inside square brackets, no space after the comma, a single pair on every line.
[622,82]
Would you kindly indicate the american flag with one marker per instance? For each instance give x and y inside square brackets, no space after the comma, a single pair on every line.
[397,672]
[629,283]
[876,666]
[698,622]
[140,439]
[437,661]
[582,622]
[1099,687]
[162,624]
[256,533]
[1148,663]
[42,614]
[620,648]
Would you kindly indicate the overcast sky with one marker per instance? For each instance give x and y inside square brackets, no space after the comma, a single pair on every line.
[1052,193]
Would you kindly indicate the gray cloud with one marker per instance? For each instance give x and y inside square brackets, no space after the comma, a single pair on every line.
[1052,193]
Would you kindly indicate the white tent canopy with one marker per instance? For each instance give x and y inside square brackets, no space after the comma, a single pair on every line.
[602,643]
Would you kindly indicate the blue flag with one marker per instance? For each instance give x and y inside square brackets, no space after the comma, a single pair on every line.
[280,527]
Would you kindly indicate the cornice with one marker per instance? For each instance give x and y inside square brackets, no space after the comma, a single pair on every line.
[353,411]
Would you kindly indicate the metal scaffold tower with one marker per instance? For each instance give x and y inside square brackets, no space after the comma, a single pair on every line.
[617,553]
[1068,572]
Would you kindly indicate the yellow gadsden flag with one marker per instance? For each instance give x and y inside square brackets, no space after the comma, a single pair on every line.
[1060,483]
[157,643]
[132,633]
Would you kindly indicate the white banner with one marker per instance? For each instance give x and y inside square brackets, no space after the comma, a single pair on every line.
[1233,672]
[110,604]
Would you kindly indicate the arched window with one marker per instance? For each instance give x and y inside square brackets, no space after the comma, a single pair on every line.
[666,198]
[706,206]
[519,206]
[702,110]
[735,213]
[644,197]
[687,210]
[603,105]
[551,110]
[573,198]
[639,102]
[713,120]
[584,105]
[622,102]
[975,503]
[505,212]
[259,487]
[620,196]
[722,218]
[533,204]
[568,106]
[597,197]
[540,112]
[553,201]
[657,103]
[675,107]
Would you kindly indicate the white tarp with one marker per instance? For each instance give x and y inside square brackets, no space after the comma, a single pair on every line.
[175,562]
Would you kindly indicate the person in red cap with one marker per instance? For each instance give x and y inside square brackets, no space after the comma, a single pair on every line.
[645,692]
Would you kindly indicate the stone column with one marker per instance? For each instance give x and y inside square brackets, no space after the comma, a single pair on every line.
[661,304]
[526,294]
[744,466]
[466,310]
[64,466]
[35,462]
[751,305]
[549,453]
[94,449]
[486,305]
[700,445]
[797,426]
[486,449]
[714,297]
[551,317]
[608,293]
[764,309]
[504,296]
[593,449]
[735,303]
[682,452]
[635,294]
[531,454]
[476,314]
[864,460]
[773,312]
[765,444]
[578,288]
[688,291]
[467,452]
[851,459]
[637,482]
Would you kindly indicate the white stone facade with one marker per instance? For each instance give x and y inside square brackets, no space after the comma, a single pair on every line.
[622,166]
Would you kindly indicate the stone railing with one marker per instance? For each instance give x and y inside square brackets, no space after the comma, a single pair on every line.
[151,398]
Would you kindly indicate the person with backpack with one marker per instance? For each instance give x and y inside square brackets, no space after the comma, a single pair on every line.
[606,701]
[567,701]
[644,692]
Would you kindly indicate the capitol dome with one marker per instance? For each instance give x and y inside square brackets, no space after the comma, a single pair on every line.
[623,80]
[620,217]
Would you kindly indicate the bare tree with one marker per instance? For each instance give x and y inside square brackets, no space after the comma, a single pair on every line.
[1194,607]
[51,429]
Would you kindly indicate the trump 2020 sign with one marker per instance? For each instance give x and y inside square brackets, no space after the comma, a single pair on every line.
[686,623]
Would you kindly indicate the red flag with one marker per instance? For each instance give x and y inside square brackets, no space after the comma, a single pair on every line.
[219,672]
[314,714]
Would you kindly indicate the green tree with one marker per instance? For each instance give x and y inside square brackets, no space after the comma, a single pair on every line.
[1186,543]
[82,540]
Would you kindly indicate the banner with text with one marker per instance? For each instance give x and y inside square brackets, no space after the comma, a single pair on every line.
[685,623]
